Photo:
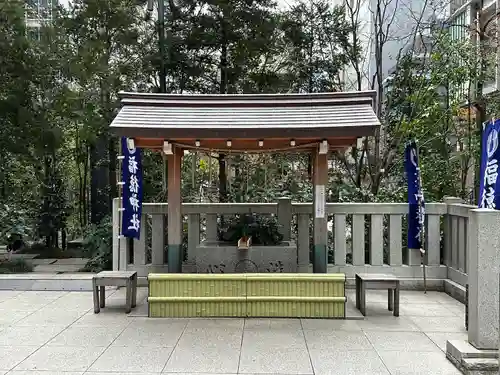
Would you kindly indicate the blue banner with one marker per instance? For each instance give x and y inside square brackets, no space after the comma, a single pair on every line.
[416,216]
[489,188]
[132,190]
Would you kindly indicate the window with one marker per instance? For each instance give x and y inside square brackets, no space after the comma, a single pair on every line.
[34,33]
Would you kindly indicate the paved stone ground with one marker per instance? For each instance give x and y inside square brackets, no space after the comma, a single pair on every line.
[55,333]
[58,265]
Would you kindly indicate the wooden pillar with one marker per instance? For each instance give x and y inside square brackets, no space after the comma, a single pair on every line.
[174,211]
[320,183]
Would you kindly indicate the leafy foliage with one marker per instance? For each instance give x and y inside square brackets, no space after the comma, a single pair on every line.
[264,230]
[58,94]
[15,266]
[98,246]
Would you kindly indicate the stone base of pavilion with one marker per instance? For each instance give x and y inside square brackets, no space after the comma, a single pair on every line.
[470,360]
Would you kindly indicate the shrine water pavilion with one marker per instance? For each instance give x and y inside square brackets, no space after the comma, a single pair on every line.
[459,250]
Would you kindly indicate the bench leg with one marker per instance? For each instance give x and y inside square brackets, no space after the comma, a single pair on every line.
[128,297]
[358,293]
[95,292]
[396,300]
[390,299]
[134,291]
[102,296]
[362,296]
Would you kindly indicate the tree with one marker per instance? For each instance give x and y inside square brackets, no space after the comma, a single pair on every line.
[420,104]
[104,37]
[393,31]
[317,40]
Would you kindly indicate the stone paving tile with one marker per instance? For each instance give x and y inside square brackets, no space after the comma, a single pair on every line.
[46,373]
[332,361]
[31,301]
[418,363]
[442,298]
[132,359]
[38,297]
[86,336]
[387,323]
[284,360]
[141,310]
[377,309]
[440,338]
[105,318]
[440,324]
[395,341]
[61,358]
[214,323]
[419,297]
[47,315]
[274,324]
[340,340]
[73,261]
[194,359]
[29,335]
[447,300]
[11,316]
[152,333]
[73,301]
[11,356]
[372,296]
[430,310]
[122,292]
[207,349]
[113,342]
[458,310]
[206,337]
[8,294]
[273,339]
[330,325]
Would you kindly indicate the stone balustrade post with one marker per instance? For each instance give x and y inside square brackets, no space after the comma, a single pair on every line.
[211,228]
[448,230]
[303,242]
[484,268]
[285,217]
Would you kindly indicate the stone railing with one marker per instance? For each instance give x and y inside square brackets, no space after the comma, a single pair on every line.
[456,228]
[366,237]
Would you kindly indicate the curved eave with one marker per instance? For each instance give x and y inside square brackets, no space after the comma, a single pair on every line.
[245,117]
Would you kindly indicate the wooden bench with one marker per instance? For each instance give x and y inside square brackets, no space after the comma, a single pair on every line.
[378,282]
[128,279]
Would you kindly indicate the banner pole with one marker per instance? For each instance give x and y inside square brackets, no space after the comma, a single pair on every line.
[422,228]
[121,158]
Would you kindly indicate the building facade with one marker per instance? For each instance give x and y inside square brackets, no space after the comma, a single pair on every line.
[37,14]
[478,22]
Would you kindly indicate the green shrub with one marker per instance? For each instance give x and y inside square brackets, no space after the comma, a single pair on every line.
[15,266]
[98,246]
[264,230]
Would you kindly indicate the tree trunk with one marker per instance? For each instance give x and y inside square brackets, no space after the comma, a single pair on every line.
[113,186]
[223,90]
[99,175]
[64,242]
[222,178]
[85,190]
